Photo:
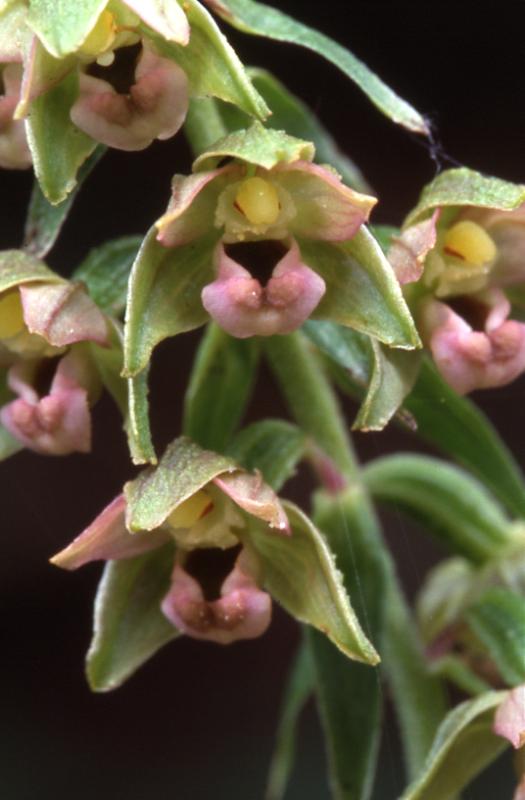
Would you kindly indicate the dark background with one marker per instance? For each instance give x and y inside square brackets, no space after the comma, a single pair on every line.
[196,722]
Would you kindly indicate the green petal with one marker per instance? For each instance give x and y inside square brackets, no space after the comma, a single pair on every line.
[63,25]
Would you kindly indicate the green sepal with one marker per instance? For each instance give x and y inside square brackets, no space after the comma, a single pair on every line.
[44,221]
[220,387]
[58,147]
[498,621]
[362,291]
[299,687]
[105,271]
[458,428]
[181,472]
[164,295]
[129,626]
[463,747]
[210,63]
[466,187]
[272,446]
[61,25]
[292,115]
[262,20]
[448,501]
[137,424]
[299,571]
[263,147]
[17,267]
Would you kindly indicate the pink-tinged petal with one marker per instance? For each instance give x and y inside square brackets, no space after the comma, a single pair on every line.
[472,359]
[326,208]
[155,107]
[252,494]
[41,72]
[409,250]
[14,152]
[107,538]
[164,16]
[509,720]
[191,209]
[63,313]
[242,307]
[57,424]
[243,611]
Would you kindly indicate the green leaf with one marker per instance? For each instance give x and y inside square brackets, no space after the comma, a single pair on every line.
[220,387]
[129,626]
[211,64]
[465,187]
[463,747]
[57,146]
[498,620]
[262,20]
[362,291]
[455,426]
[157,491]
[62,25]
[448,501]
[137,424]
[17,267]
[263,147]
[455,671]
[299,687]
[272,446]
[164,295]
[105,271]
[299,572]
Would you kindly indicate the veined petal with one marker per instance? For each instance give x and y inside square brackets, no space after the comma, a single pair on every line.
[408,251]
[164,16]
[107,538]
[155,107]
[191,210]
[243,611]
[242,307]
[326,209]
[63,313]
[252,494]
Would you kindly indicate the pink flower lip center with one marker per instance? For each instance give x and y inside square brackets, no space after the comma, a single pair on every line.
[210,568]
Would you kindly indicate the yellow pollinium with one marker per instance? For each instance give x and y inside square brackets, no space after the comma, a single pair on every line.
[101,37]
[11,315]
[190,511]
[470,242]
[258,200]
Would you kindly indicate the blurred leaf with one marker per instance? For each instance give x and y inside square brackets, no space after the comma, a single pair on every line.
[362,291]
[299,688]
[220,387]
[105,271]
[262,20]
[299,571]
[211,64]
[44,221]
[454,670]
[57,146]
[129,626]
[455,426]
[498,620]
[463,747]
[466,187]
[447,500]
[164,295]
[272,446]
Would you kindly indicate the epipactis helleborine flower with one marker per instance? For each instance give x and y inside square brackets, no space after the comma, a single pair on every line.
[43,323]
[263,285]
[462,261]
[215,589]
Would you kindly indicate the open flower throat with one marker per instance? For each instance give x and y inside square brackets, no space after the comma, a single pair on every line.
[462,261]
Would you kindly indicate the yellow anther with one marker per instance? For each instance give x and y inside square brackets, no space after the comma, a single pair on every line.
[258,200]
[190,511]
[11,315]
[470,242]
[101,37]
